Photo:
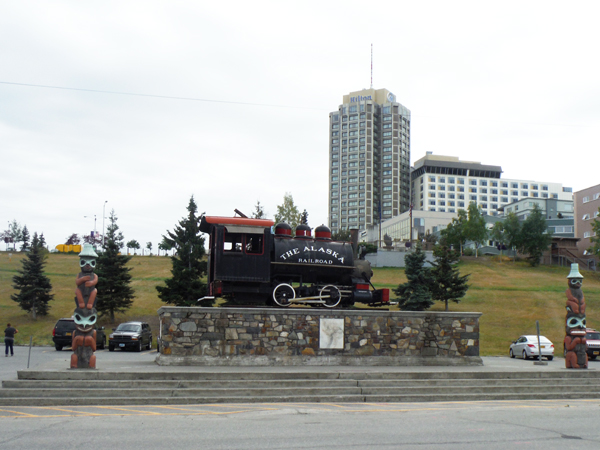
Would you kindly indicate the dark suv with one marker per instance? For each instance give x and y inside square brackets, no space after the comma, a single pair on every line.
[62,334]
[134,335]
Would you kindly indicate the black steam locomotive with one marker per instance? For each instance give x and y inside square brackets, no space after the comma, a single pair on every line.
[249,264]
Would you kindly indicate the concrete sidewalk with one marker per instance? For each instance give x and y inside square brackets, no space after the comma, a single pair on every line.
[46,358]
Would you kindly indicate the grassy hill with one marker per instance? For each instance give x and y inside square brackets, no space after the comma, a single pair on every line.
[511,296]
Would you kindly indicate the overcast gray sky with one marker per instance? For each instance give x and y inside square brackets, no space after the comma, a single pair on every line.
[232,100]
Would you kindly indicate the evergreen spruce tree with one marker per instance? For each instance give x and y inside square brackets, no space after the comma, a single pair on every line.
[259,212]
[185,286]
[25,239]
[448,284]
[43,242]
[33,286]
[115,293]
[415,294]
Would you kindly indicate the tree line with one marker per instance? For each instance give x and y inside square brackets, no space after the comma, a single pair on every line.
[528,237]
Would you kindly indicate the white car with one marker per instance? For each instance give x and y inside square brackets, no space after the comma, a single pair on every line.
[527,347]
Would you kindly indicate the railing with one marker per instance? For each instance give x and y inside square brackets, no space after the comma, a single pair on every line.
[564,257]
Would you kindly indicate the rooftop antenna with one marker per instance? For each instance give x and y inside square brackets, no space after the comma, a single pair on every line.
[371,66]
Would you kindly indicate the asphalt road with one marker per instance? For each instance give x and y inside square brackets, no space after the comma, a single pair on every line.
[495,425]
[480,425]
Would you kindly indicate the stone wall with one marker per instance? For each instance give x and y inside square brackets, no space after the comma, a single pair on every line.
[295,336]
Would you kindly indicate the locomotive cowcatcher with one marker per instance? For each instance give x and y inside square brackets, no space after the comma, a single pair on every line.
[248,264]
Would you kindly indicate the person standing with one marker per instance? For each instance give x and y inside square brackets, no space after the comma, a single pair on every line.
[9,339]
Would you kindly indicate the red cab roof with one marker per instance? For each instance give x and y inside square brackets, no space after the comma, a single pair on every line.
[216,220]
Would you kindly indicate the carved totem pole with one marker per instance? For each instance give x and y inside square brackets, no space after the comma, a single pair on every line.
[84,336]
[575,354]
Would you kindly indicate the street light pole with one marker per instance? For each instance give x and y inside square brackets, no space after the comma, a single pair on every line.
[103,214]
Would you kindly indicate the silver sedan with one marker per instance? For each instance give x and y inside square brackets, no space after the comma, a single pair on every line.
[527,346]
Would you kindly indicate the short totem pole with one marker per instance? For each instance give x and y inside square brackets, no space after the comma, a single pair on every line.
[84,336]
[575,354]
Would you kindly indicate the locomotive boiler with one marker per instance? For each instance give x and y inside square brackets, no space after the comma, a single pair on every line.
[254,261]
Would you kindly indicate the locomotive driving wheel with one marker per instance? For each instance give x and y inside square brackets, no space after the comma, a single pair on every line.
[282,294]
[331,295]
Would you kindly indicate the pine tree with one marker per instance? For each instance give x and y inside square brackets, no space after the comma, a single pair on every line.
[25,239]
[43,242]
[415,294]
[259,212]
[33,286]
[304,217]
[448,284]
[185,286]
[115,293]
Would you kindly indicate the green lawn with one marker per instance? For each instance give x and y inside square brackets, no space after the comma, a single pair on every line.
[511,296]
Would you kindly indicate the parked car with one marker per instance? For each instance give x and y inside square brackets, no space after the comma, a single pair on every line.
[592,343]
[62,334]
[527,346]
[134,335]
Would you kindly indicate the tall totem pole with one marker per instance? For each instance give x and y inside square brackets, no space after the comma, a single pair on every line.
[84,336]
[575,352]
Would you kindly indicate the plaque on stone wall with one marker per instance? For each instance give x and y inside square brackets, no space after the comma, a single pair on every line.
[331,333]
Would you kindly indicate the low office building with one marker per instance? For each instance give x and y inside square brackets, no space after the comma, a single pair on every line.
[398,228]
[587,204]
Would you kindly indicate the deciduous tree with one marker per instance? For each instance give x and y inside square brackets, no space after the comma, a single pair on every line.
[185,287]
[476,230]
[456,232]
[32,285]
[288,212]
[74,239]
[595,239]
[115,293]
[534,236]
[133,244]
[512,232]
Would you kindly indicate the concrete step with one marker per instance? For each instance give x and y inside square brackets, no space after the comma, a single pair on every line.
[362,374]
[46,388]
[175,384]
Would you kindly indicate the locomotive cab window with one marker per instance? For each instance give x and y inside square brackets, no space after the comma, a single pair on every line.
[232,242]
[237,242]
[254,244]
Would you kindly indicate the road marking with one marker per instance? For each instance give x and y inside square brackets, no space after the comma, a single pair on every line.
[214,409]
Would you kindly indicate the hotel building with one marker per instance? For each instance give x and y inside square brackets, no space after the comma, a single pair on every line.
[446,184]
[369,160]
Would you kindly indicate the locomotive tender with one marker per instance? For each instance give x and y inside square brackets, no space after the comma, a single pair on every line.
[249,264]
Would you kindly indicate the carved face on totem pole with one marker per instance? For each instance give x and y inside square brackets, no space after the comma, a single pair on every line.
[85,315]
[575,322]
[85,312]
